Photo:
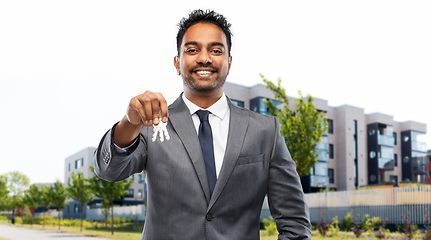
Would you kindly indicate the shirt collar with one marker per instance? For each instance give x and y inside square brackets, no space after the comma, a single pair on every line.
[219,108]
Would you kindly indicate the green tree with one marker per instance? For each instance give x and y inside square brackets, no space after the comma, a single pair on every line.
[16,184]
[302,129]
[79,191]
[4,192]
[109,191]
[58,198]
[45,200]
[31,199]
[106,206]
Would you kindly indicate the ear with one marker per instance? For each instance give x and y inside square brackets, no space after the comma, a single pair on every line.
[229,63]
[177,64]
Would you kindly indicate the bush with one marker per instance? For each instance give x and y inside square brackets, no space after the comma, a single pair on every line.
[270,225]
[18,220]
[346,222]
[322,225]
[333,227]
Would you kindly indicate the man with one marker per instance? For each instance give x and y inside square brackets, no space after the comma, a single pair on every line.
[208,181]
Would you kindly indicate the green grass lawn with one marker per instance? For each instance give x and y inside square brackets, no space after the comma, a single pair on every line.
[136,235]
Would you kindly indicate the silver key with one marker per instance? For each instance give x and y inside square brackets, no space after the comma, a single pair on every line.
[161,129]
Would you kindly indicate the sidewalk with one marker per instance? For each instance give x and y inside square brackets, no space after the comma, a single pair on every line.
[17,233]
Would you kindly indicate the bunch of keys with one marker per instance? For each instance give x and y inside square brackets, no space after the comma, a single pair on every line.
[160,128]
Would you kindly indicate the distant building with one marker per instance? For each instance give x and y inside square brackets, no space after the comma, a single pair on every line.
[359,149]
[81,162]
[428,179]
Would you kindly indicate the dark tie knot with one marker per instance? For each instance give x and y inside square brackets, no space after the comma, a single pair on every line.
[203,115]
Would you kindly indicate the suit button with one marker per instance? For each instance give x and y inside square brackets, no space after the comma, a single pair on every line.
[209,217]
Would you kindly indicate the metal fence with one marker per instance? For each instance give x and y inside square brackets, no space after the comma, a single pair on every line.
[136,212]
[413,202]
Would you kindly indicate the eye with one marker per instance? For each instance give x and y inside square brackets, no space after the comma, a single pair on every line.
[217,51]
[191,50]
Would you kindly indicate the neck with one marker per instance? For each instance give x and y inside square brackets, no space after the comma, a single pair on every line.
[203,100]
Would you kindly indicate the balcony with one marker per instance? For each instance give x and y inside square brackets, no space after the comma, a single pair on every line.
[429,165]
[428,180]
[319,181]
[322,155]
[420,165]
[386,140]
[419,146]
[386,164]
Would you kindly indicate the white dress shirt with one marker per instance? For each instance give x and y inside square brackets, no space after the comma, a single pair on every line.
[219,121]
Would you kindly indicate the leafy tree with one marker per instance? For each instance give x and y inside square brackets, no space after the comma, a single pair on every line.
[4,192]
[31,199]
[16,184]
[302,129]
[106,206]
[58,198]
[45,200]
[109,191]
[13,203]
[80,191]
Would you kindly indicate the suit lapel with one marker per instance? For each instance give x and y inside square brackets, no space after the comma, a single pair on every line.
[179,116]
[238,124]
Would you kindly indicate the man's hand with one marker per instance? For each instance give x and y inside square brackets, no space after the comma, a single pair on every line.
[147,108]
[144,110]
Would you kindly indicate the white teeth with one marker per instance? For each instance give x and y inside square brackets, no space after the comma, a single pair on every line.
[203,72]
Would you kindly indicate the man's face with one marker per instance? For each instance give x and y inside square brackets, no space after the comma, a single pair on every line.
[204,61]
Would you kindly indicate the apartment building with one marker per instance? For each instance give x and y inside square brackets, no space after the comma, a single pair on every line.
[428,179]
[359,149]
[81,162]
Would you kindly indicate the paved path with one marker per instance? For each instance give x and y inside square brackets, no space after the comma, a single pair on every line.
[17,233]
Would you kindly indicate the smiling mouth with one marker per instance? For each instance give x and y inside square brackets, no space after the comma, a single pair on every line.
[204,72]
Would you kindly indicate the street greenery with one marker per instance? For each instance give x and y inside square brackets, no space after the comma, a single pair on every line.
[80,191]
[302,127]
[108,191]
[17,196]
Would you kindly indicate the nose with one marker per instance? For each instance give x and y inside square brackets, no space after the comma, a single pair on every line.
[204,57]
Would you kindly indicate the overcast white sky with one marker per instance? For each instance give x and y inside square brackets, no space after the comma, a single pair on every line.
[69,68]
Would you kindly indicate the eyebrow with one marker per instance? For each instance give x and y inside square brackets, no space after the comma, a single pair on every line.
[210,45]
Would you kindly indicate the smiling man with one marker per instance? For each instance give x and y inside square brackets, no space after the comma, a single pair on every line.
[209,180]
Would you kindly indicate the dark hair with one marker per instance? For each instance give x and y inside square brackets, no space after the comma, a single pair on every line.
[208,16]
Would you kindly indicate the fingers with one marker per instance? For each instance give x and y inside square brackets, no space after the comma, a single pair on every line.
[147,109]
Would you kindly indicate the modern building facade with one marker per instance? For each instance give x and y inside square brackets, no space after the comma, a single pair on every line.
[428,179]
[81,162]
[359,149]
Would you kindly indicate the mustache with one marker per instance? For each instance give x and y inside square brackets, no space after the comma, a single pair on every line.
[203,65]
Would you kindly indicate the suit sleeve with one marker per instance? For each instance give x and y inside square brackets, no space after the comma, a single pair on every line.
[112,165]
[285,196]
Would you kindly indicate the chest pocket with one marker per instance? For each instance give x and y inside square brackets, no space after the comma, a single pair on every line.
[250,159]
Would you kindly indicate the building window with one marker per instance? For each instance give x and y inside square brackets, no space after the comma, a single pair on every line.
[394,179]
[330,126]
[395,160]
[69,167]
[130,193]
[331,175]
[76,209]
[238,103]
[79,163]
[395,138]
[140,178]
[331,151]
[140,193]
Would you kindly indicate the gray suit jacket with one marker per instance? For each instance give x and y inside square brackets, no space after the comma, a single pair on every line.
[256,163]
